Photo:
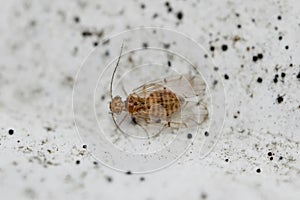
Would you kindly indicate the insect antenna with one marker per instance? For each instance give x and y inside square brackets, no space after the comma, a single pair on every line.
[113,75]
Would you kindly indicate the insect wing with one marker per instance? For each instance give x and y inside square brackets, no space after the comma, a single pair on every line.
[186,86]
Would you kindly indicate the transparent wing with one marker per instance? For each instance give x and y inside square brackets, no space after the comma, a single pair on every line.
[186,86]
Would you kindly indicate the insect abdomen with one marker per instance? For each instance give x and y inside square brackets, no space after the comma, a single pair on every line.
[164,102]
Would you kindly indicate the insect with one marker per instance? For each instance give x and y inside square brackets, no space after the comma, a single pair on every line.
[172,101]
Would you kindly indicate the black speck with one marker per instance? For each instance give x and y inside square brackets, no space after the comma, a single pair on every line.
[142,179]
[226,160]
[133,121]
[280,99]
[95,44]
[279,17]
[145,45]
[224,47]
[239,26]
[216,68]
[179,15]
[189,136]
[271,158]
[298,75]
[260,56]
[226,76]
[169,63]
[11,131]
[86,34]
[291,65]
[48,128]
[106,53]
[212,48]
[166,45]
[286,47]
[270,153]
[167,4]
[84,146]
[259,80]
[280,38]
[206,133]
[280,158]
[109,179]
[282,75]
[170,9]
[77,162]
[76,19]
[143,6]
[258,170]
[128,172]
[254,58]
[95,163]
[155,15]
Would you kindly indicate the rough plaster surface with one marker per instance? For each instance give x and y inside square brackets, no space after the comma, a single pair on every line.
[42,46]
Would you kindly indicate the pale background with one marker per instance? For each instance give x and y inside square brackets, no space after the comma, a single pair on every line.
[42,47]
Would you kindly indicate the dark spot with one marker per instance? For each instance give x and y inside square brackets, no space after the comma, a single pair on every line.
[155,15]
[280,99]
[226,160]
[212,48]
[179,15]
[291,65]
[203,195]
[142,179]
[86,34]
[270,154]
[95,163]
[216,68]
[298,75]
[143,6]
[286,47]
[189,136]
[280,38]
[145,45]
[109,179]
[259,80]
[258,170]
[77,162]
[271,158]
[280,158]
[275,78]
[106,53]
[76,19]
[84,146]
[133,121]
[279,17]
[170,9]
[260,56]
[226,76]
[239,26]
[95,44]
[282,75]
[205,56]
[11,131]
[166,45]
[128,172]
[48,129]
[254,58]
[206,133]
[106,42]
[169,63]
[224,47]
[167,4]
[102,97]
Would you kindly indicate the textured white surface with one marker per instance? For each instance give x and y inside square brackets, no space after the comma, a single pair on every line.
[42,47]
